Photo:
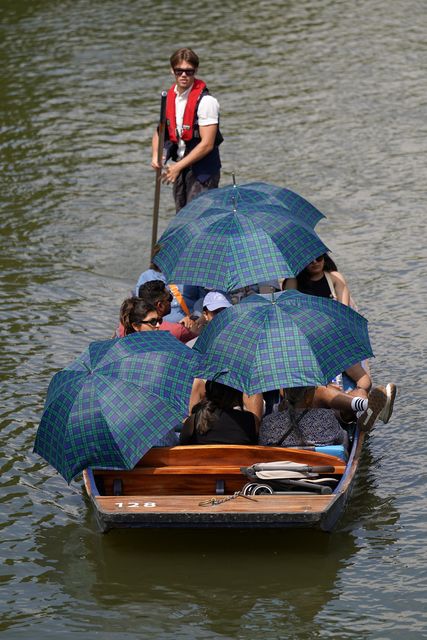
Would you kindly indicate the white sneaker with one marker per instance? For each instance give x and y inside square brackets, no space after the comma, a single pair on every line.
[385,414]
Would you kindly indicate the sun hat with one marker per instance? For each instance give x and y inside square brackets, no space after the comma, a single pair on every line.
[215,300]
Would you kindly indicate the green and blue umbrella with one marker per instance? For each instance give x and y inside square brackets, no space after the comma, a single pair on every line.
[116,401]
[230,246]
[251,195]
[288,340]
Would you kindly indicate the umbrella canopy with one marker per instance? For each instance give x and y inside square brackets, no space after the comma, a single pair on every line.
[251,195]
[228,247]
[290,340]
[115,402]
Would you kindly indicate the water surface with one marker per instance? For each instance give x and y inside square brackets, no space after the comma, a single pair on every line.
[326,98]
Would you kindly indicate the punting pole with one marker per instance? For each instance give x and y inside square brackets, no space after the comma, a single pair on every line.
[162,125]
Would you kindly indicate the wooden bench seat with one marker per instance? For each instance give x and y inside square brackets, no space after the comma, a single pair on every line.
[196,470]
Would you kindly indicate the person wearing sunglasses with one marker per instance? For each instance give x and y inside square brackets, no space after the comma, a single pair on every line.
[157,294]
[153,295]
[136,315]
[192,135]
[321,278]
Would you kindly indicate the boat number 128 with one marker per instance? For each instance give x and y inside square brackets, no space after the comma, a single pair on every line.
[135,505]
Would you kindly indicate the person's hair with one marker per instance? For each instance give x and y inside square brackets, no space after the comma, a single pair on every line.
[329,265]
[134,311]
[184,55]
[218,396]
[215,311]
[152,291]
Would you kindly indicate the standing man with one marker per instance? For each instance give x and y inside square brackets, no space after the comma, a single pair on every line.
[192,133]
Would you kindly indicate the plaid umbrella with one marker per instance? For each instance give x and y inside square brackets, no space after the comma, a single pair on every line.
[250,195]
[228,247]
[115,402]
[290,340]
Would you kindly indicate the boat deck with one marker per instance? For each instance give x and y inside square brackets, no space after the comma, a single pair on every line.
[193,486]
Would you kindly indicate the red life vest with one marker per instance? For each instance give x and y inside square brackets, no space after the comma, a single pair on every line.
[190,112]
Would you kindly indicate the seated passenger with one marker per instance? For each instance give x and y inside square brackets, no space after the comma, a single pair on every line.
[347,407]
[184,296]
[356,381]
[132,306]
[136,315]
[213,303]
[154,293]
[321,278]
[216,420]
[299,424]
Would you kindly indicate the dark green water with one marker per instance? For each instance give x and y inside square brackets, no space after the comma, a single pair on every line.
[326,98]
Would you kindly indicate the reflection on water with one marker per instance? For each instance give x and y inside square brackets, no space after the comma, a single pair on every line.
[224,581]
[325,98]
[275,574]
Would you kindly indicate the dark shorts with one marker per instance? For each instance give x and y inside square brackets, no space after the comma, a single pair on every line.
[186,187]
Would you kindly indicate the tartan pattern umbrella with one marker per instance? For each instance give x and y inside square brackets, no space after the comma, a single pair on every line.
[250,195]
[225,248]
[116,401]
[290,340]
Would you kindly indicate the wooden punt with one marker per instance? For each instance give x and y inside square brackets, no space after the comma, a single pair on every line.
[166,488]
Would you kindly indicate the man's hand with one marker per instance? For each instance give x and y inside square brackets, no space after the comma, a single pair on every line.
[171,173]
[188,323]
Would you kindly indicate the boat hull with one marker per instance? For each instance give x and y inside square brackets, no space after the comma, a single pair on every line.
[175,487]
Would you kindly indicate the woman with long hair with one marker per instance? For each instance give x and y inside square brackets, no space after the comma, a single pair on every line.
[138,315]
[219,418]
[321,278]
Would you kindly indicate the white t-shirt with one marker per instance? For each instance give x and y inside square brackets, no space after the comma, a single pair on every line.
[207,113]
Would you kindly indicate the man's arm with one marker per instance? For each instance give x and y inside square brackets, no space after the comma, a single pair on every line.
[155,151]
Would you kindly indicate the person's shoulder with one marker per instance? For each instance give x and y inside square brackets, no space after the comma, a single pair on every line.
[208,98]
[175,328]
[337,277]
[150,274]
[178,330]
[208,102]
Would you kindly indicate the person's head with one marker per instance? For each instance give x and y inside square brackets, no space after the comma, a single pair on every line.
[223,396]
[218,396]
[213,303]
[157,294]
[184,64]
[317,267]
[137,315]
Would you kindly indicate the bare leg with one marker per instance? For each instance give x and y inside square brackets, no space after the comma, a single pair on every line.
[332,398]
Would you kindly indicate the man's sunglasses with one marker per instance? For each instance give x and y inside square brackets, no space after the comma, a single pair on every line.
[179,72]
[152,322]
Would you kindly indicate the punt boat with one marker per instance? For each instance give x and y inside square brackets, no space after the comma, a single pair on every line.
[203,486]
